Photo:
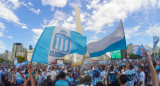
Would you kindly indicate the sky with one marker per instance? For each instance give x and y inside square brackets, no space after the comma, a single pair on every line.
[23,21]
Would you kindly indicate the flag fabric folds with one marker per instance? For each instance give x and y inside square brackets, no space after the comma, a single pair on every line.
[157,55]
[57,42]
[155,42]
[15,61]
[112,42]
[138,50]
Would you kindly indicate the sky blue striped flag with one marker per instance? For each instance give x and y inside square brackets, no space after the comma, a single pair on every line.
[138,50]
[157,55]
[155,42]
[19,64]
[57,42]
[112,42]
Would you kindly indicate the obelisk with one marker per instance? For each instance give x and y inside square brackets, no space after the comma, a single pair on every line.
[78,57]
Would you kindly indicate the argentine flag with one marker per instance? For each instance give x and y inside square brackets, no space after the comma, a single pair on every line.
[19,64]
[155,42]
[57,42]
[112,42]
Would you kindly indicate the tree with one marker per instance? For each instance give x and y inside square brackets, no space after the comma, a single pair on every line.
[2,60]
[21,59]
[154,53]
[133,56]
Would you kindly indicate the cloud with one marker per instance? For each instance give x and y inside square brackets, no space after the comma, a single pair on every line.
[93,38]
[14,4]
[54,3]
[2,26]
[130,32]
[159,4]
[37,33]
[7,13]
[75,3]
[35,11]
[93,4]
[61,19]
[107,13]
[70,19]
[2,46]
[30,7]
[153,30]
[1,34]
[30,4]
[9,37]
[24,27]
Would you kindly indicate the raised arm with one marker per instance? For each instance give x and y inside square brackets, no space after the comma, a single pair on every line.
[26,82]
[31,77]
[12,81]
[151,67]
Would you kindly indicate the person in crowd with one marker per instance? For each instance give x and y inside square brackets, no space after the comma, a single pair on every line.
[151,67]
[1,73]
[6,82]
[99,83]
[53,73]
[131,75]
[61,80]
[86,81]
[96,76]
[48,81]
[121,81]
[113,73]
[104,76]
[141,79]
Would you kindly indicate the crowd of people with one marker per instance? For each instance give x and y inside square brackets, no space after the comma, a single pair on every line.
[112,73]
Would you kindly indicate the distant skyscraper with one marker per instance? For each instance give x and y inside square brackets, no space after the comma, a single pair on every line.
[30,47]
[6,51]
[18,50]
[129,48]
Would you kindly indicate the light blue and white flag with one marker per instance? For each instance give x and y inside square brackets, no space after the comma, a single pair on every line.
[124,60]
[20,64]
[157,55]
[138,50]
[155,42]
[15,61]
[57,42]
[112,42]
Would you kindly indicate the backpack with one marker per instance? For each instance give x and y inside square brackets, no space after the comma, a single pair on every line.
[96,73]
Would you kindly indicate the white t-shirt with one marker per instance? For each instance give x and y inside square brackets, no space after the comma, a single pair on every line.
[141,78]
[123,72]
[53,74]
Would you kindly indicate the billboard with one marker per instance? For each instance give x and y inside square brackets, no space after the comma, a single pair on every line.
[116,54]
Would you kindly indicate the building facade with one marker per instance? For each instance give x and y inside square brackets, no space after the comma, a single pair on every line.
[129,49]
[19,50]
[29,54]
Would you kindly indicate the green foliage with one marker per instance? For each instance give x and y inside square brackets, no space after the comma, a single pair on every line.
[154,54]
[21,59]
[2,60]
[133,56]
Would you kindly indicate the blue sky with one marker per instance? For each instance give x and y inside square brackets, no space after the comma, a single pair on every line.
[24,20]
